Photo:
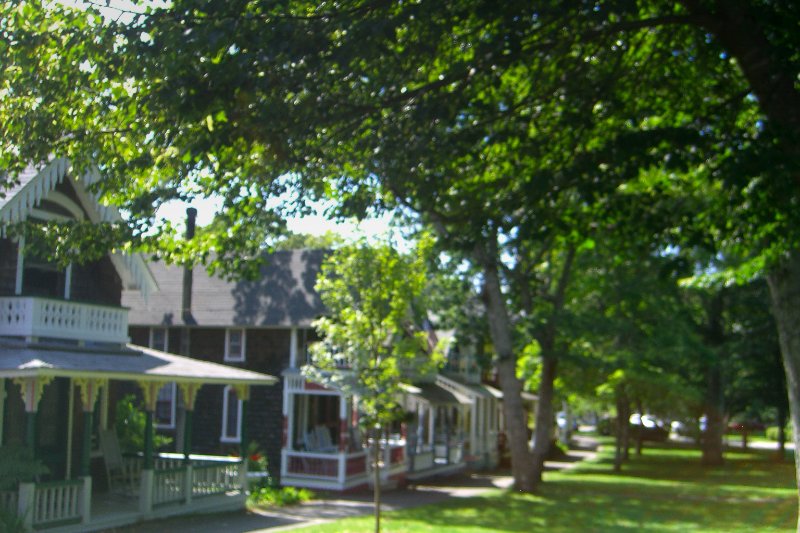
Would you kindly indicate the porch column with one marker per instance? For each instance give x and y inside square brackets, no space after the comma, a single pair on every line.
[150,394]
[474,415]
[32,389]
[343,401]
[243,394]
[431,428]
[288,424]
[2,407]
[447,416]
[189,392]
[293,348]
[89,389]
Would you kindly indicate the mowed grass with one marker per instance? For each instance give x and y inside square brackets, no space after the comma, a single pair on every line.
[666,489]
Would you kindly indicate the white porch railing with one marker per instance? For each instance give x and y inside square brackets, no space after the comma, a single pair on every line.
[57,502]
[295,382]
[215,478]
[210,475]
[334,471]
[421,460]
[27,316]
[314,464]
[169,486]
[451,452]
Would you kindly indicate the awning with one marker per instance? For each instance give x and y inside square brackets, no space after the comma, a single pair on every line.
[134,363]
[432,394]
[497,393]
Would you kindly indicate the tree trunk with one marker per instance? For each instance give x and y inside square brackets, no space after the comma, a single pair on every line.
[376,468]
[625,426]
[713,446]
[623,421]
[639,430]
[522,466]
[781,453]
[543,435]
[784,288]
[714,336]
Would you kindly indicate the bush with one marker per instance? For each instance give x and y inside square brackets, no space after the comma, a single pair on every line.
[11,522]
[772,432]
[129,424]
[18,464]
[279,496]
[257,464]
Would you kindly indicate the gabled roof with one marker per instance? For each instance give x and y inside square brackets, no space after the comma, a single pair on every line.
[283,296]
[34,184]
[22,359]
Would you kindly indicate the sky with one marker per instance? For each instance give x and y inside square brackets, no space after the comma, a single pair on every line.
[317,224]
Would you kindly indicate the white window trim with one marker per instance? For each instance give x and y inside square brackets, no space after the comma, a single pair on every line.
[20,272]
[234,358]
[174,403]
[164,348]
[226,394]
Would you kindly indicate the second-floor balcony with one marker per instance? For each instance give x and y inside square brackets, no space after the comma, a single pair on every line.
[36,317]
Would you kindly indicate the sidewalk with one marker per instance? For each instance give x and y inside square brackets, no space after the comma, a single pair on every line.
[427,492]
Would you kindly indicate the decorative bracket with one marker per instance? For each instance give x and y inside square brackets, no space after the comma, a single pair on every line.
[90,388]
[189,391]
[32,389]
[150,392]
[242,391]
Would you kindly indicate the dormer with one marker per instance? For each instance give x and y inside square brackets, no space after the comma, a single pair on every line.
[40,300]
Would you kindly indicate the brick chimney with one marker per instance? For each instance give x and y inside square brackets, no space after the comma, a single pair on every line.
[186,300]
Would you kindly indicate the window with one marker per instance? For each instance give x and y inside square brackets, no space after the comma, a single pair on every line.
[158,339]
[234,344]
[165,407]
[165,403]
[231,416]
[46,279]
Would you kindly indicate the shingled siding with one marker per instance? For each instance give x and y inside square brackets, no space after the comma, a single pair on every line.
[267,352]
[8,267]
[139,335]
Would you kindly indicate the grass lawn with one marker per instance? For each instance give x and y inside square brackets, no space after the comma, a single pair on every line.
[666,489]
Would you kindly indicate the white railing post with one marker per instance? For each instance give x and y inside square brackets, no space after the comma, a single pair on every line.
[243,476]
[25,510]
[146,492]
[188,484]
[342,467]
[86,500]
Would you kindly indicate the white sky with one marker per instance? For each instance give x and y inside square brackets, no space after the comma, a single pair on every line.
[317,224]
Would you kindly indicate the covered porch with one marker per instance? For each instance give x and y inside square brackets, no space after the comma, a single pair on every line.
[323,447]
[55,402]
[438,430]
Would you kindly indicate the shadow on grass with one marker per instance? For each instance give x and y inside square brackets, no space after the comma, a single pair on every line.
[591,507]
[677,462]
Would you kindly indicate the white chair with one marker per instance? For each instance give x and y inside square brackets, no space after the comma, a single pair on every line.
[116,470]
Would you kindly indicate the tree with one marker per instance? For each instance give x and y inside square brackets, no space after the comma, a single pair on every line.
[469,112]
[374,295]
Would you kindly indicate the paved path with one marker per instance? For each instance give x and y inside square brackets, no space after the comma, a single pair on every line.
[426,492]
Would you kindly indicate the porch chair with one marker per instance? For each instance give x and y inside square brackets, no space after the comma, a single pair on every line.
[117,474]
